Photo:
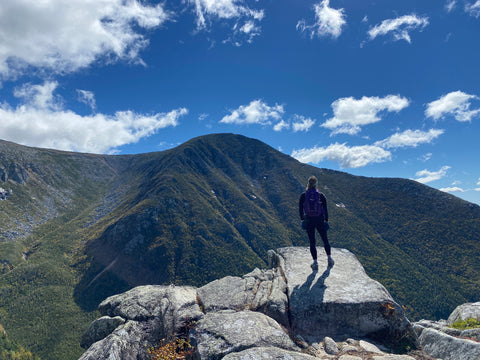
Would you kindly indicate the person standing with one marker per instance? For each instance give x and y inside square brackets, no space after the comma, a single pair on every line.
[313,212]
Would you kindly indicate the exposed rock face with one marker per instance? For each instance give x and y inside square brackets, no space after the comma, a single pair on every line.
[465,311]
[446,343]
[150,314]
[280,313]
[341,301]
[446,347]
[223,332]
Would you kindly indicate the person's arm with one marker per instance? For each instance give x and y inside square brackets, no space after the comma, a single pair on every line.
[324,204]
[300,205]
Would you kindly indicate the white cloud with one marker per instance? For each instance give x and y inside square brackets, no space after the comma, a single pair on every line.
[245,18]
[456,103]
[450,5]
[302,123]
[473,9]
[426,176]
[347,157]
[281,125]
[328,21]
[452,189]
[88,98]
[42,121]
[410,138]
[478,183]
[400,28]
[257,112]
[426,157]
[351,114]
[63,36]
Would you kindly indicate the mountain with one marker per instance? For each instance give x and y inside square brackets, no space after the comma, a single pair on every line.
[76,228]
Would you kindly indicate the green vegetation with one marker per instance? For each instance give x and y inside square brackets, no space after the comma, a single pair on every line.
[10,350]
[78,228]
[469,323]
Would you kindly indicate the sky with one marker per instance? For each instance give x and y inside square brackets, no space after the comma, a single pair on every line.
[376,88]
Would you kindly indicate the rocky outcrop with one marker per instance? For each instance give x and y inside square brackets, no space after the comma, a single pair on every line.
[446,347]
[286,312]
[341,301]
[464,312]
[440,340]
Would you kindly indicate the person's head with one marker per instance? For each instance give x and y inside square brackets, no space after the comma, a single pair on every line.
[312,182]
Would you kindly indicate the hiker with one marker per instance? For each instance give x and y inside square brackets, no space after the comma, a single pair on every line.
[314,215]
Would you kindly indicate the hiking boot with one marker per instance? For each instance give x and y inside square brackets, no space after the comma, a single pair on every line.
[314,265]
[330,261]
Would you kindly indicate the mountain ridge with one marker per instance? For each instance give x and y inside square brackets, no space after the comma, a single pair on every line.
[87,226]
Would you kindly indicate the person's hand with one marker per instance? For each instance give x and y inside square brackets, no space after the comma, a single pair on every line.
[303,225]
[327,225]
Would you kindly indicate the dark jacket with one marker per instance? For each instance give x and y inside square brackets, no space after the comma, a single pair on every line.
[323,200]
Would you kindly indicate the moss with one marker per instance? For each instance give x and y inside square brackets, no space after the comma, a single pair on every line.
[469,323]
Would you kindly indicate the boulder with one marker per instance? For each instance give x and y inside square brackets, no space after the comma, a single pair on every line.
[220,333]
[150,313]
[129,341]
[100,329]
[268,353]
[447,347]
[260,290]
[340,301]
[465,311]
[173,305]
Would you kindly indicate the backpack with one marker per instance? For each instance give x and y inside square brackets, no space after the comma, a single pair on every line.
[312,205]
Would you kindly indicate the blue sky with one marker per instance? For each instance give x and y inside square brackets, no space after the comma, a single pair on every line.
[373,88]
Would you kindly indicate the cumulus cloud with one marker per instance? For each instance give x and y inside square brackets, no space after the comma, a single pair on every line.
[426,176]
[351,114]
[456,103]
[302,123]
[346,156]
[41,120]
[257,112]
[328,21]
[399,28]
[281,125]
[246,19]
[473,8]
[410,138]
[64,36]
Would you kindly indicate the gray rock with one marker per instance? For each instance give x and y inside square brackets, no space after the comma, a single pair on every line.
[260,290]
[349,357]
[364,345]
[227,293]
[220,333]
[99,329]
[152,313]
[267,353]
[393,357]
[471,333]
[446,347]
[465,311]
[331,346]
[130,341]
[340,301]
[174,305]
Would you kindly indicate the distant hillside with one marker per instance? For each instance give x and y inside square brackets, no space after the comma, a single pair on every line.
[75,228]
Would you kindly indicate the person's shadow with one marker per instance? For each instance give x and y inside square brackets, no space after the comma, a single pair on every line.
[305,298]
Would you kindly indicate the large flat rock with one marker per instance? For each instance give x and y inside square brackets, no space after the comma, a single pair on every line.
[340,301]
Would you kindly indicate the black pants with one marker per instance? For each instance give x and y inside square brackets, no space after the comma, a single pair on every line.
[313,223]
